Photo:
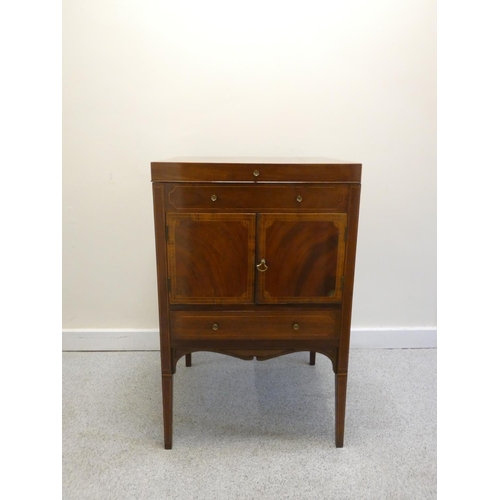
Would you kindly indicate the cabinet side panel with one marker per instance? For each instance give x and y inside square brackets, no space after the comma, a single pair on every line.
[352,234]
[161,271]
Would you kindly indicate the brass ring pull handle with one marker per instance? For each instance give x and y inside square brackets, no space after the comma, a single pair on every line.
[299,198]
[213,197]
[295,326]
[262,266]
[215,326]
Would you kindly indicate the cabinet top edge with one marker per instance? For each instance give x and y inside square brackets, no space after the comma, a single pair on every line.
[243,170]
[262,160]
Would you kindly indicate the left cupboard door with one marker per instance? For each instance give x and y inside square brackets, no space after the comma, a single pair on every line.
[211,258]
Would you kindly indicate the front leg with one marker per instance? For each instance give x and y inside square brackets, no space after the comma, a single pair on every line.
[167,391]
[340,400]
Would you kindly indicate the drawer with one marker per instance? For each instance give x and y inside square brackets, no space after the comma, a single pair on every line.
[257,197]
[252,325]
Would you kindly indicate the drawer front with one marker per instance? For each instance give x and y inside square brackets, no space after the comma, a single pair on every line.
[252,325]
[287,197]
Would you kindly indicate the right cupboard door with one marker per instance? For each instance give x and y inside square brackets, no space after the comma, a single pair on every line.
[300,258]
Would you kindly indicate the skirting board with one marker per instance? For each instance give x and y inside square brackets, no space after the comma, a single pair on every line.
[148,340]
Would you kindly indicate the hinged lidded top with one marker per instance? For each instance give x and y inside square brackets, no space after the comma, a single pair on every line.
[248,169]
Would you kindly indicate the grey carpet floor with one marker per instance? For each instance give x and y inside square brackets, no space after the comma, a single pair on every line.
[249,429]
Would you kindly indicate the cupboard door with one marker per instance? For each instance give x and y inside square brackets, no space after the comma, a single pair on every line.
[211,258]
[304,257]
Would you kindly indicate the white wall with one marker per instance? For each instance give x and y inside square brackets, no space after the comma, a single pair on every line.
[146,80]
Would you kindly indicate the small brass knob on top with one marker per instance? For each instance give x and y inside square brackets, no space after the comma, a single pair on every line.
[215,326]
[213,197]
[256,173]
[299,198]
[295,326]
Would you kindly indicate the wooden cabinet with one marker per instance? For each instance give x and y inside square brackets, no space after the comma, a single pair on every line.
[255,258]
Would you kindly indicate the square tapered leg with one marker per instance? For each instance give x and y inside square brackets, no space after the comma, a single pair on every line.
[167,390]
[340,399]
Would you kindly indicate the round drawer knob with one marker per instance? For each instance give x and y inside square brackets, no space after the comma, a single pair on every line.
[213,197]
[299,198]
[295,326]
[256,173]
[215,327]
